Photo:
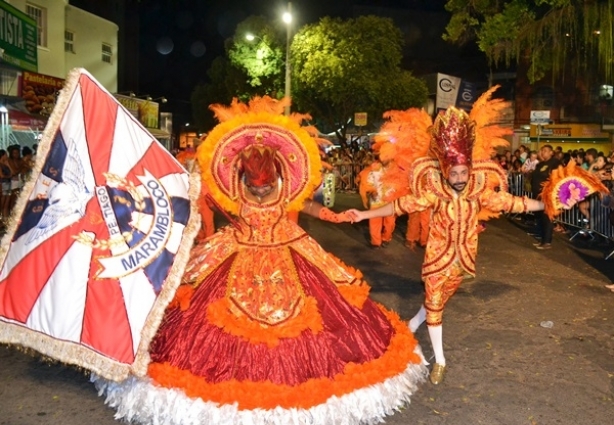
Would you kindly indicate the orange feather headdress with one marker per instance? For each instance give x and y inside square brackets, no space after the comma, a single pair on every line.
[256,138]
[454,138]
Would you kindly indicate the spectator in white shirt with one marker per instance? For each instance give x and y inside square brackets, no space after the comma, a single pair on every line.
[530,163]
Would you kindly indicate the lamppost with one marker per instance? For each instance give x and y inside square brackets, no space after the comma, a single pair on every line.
[287,18]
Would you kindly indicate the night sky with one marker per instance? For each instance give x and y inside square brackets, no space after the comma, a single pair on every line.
[179,39]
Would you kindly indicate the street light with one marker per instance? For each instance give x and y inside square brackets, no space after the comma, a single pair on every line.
[287,18]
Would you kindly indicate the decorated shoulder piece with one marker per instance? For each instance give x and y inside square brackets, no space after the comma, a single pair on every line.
[568,185]
[260,122]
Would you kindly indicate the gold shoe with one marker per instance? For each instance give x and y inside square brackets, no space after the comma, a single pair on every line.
[437,373]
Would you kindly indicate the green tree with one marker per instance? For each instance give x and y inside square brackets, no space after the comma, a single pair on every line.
[340,67]
[249,68]
[261,57]
[554,36]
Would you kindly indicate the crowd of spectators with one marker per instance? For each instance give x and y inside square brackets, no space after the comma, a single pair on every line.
[522,160]
[347,162]
[16,164]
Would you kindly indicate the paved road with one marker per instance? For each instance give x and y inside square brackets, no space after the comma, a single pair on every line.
[504,368]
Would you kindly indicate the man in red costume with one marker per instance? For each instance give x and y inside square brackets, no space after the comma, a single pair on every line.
[456,189]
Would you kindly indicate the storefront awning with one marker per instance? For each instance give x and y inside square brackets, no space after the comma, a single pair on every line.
[23,120]
[159,134]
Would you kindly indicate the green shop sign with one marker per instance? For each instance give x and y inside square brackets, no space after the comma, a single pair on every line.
[18,38]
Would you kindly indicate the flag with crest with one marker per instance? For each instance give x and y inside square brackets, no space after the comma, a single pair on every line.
[98,239]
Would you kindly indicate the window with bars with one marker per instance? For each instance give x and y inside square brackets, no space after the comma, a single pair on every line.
[39,15]
[107,52]
[69,41]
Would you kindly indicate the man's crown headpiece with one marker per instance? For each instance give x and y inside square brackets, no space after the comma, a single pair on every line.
[453,136]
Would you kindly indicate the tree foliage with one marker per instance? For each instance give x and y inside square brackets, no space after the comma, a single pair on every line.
[340,67]
[262,58]
[550,35]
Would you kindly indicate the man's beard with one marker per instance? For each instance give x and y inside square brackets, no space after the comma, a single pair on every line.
[459,186]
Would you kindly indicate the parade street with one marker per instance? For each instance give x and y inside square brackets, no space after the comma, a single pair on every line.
[507,365]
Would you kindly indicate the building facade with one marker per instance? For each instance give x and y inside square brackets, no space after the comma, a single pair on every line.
[40,42]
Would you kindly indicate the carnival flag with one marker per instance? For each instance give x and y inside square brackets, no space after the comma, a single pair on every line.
[99,237]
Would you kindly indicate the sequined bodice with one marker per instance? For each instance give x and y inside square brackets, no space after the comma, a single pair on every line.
[266,225]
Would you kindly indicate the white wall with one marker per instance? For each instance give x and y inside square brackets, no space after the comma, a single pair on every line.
[90,31]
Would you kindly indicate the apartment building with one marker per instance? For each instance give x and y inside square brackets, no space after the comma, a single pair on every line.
[40,42]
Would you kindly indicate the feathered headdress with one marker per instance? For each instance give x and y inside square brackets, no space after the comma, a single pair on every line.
[258,165]
[487,114]
[453,137]
[259,133]
[401,140]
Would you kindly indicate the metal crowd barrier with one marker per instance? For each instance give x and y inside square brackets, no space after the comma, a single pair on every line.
[345,174]
[598,222]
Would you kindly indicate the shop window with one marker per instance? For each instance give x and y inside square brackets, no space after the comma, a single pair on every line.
[107,52]
[39,15]
[69,41]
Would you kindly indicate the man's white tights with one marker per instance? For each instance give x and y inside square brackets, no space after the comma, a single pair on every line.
[417,320]
[435,333]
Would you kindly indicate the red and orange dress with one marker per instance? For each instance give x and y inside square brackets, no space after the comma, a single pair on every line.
[267,327]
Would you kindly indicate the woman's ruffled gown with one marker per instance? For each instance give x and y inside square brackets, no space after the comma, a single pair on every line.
[268,328]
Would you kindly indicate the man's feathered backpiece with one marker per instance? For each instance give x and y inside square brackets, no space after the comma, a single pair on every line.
[411,135]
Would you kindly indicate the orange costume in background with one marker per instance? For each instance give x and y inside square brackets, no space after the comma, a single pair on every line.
[372,195]
[418,228]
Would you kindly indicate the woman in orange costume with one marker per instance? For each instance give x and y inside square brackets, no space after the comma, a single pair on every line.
[449,170]
[267,327]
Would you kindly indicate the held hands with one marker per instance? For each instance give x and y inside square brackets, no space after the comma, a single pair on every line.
[355,215]
[328,215]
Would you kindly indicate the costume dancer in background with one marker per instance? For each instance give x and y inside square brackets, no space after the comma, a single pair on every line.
[372,194]
[187,158]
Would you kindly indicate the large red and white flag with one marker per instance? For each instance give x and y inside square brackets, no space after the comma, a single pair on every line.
[99,238]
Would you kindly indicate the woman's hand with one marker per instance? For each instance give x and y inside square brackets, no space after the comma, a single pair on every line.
[355,215]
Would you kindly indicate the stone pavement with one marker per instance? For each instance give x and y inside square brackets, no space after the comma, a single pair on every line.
[504,368]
